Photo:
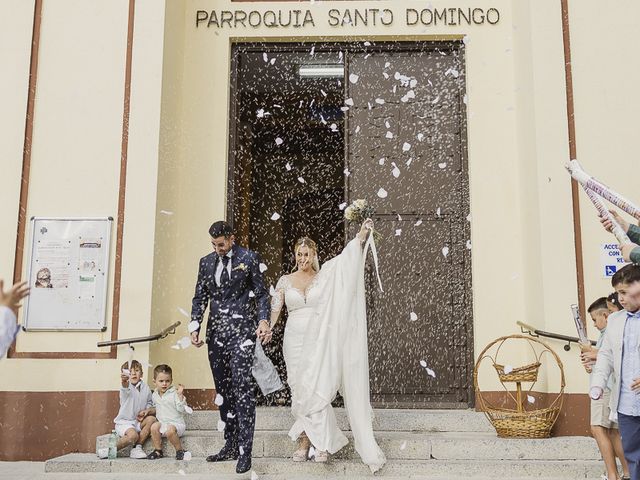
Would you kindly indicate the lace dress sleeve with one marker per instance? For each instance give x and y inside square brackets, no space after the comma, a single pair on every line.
[277,299]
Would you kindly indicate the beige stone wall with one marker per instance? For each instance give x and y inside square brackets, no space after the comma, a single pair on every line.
[522,233]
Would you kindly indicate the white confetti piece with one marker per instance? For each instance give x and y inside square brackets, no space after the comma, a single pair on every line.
[301,180]
[237,315]
[406,146]
[453,72]
[166,212]
[241,450]
[275,216]
[246,343]
[436,100]
[508,369]
[387,64]
[260,113]
[324,94]
[423,364]
[438,211]
[322,120]
[344,109]
[221,425]
[313,50]
[279,141]
[403,445]
[466,39]
[396,171]
[387,124]
[262,267]
[251,294]
[347,172]
[224,310]
[413,83]
[531,399]
[408,162]
[184,312]
[349,101]
[469,244]
[469,218]
[219,400]
[445,251]
[420,136]
[288,167]
[193,326]
[382,193]
[188,410]
[334,127]
[430,372]
[187,456]
[342,206]
[398,232]
[385,75]
[367,44]
[312,452]
[231,415]
[389,135]
[265,57]
[381,161]
[358,129]
[413,316]
[380,101]
[465,99]
[353,78]
[418,223]
[442,165]
[273,60]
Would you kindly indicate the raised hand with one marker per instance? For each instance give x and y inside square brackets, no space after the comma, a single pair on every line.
[606,223]
[14,295]
[367,226]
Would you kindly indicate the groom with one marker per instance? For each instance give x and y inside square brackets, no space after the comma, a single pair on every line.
[230,281]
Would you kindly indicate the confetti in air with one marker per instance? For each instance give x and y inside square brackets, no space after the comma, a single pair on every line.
[221,425]
[469,244]
[418,223]
[279,141]
[349,102]
[389,135]
[219,400]
[301,180]
[166,212]
[396,171]
[382,193]
[413,316]
[423,364]
[531,399]
[251,294]
[275,216]
[342,206]
[353,78]
[442,165]
[263,268]
[380,101]
[398,232]
[193,326]
[406,147]
[445,251]
[288,166]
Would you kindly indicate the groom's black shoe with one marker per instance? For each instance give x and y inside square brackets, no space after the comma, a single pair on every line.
[228,452]
[244,464]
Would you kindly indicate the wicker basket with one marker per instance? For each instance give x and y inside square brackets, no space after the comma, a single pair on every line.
[528,373]
[519,422]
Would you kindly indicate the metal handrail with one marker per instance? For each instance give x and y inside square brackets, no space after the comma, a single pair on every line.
[150,338]
[534,332]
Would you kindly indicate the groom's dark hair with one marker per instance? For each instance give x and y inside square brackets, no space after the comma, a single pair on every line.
[220,229]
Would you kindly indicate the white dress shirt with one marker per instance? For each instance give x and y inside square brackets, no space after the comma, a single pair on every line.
[221,265]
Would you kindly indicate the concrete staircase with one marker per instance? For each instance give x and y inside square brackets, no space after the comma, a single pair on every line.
[425,444]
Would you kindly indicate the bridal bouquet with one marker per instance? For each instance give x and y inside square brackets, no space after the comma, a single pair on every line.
[358,212]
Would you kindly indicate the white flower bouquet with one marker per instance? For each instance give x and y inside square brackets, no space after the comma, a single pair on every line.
[358,212]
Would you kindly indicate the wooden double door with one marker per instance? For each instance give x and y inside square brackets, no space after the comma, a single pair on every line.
[395,128]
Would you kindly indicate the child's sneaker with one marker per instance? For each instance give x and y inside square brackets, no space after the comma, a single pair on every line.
[155,455]
[103,453]
[137,452]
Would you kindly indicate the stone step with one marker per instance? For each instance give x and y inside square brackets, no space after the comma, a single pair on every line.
[278,468]
[409,420]
[402,446]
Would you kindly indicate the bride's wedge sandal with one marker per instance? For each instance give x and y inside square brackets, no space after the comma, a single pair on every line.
[302,453]
[321,456]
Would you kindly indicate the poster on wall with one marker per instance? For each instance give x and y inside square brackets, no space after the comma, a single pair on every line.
[610,259]
[68,274]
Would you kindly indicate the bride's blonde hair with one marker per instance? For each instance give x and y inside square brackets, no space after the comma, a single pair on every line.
[312,246]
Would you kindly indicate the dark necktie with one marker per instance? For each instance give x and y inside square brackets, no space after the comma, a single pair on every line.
[224,277]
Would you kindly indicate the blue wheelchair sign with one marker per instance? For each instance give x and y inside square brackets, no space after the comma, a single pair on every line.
[609,270]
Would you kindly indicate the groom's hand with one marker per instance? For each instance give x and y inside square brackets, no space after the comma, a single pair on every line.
[263,332]
[195,339]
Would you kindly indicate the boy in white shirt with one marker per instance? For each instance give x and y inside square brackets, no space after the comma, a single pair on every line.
[136,414]
[170,408]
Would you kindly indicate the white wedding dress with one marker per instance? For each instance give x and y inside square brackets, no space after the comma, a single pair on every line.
[325,349]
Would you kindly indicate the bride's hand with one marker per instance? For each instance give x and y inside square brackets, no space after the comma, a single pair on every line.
[367,226]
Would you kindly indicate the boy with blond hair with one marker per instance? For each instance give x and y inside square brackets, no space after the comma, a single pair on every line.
[170,408]
[136,414]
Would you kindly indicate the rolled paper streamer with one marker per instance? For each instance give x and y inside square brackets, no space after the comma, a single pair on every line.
[591,183]
[617,230]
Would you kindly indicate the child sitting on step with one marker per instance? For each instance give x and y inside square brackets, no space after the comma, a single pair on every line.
[170,408]
[136,414]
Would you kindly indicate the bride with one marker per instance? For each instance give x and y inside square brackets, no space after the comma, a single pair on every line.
[325,349]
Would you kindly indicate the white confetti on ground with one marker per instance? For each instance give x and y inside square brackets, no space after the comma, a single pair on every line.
[418,223]
[406,147]
[187,456]
[389,135]
[279,141]
[387,124]
[531,399]
[275,216]
[263,268]
[508,369]
[221,425]
[342,206]
[219,399]
[423,364]
[413,316]
[385,75]
[166,212]
[193,326]
[398,232]
[301,180]
[382,193]
[442,164]
[353,78]
[445,251]
[224,310]
[367,44]
[465,99]
[184,312]
[408,162]
[469,244]
[324,94]
[260,113]
[403,445]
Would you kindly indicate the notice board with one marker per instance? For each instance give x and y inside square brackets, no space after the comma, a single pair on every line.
[68,274]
